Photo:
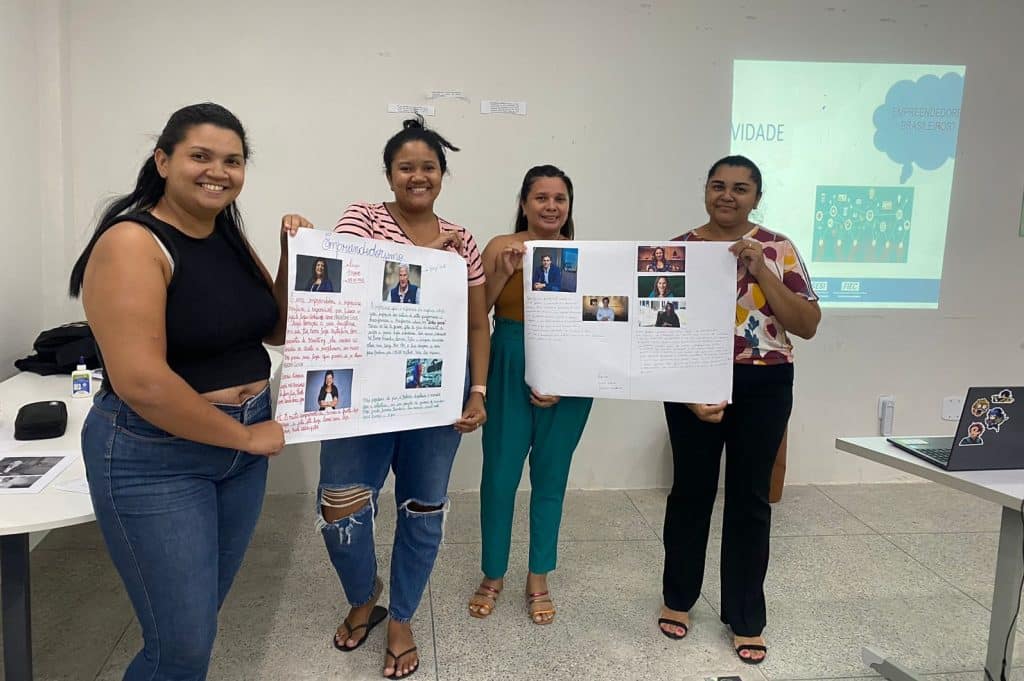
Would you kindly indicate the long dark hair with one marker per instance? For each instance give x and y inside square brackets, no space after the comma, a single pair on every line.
[413,130]
[149,189]
[568,229]
[324,391]
[312,278]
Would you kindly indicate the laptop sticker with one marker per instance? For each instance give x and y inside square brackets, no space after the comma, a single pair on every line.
[974,433]
[980,407]
[996,417]
[1004,396]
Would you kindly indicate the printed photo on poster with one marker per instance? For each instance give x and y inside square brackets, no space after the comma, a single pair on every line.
[661,259]
[317,275]
[661,313]
[555,269]
[423,373]
[328,390]
[671,286]
[402,282]
[605,309]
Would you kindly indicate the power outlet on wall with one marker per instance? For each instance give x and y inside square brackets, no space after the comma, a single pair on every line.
[952,407]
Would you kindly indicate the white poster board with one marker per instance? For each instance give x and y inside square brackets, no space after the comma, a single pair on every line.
[376,338]
[609,319]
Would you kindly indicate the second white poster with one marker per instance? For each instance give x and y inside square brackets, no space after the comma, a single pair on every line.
[630,320]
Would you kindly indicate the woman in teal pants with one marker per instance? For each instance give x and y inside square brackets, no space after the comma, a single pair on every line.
[524,422]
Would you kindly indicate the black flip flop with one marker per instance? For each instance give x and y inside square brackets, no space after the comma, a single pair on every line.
[753,648]
[672,623]
[396,658]
[377,615]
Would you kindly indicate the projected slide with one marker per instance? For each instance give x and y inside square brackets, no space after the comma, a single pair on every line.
[858,168]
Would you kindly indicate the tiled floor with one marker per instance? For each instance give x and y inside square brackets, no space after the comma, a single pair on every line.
[904,568]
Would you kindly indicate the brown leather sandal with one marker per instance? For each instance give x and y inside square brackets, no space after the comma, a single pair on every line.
[485,599]
[536,598]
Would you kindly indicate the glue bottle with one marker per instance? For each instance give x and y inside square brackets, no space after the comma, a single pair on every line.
[81,380]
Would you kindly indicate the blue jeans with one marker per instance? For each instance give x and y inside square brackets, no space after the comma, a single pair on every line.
[422,460]
[177,517]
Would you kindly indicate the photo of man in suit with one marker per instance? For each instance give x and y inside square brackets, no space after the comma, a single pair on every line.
[403,291]
[547,276]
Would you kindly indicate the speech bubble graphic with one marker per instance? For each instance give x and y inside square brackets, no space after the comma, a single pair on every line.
[919,121]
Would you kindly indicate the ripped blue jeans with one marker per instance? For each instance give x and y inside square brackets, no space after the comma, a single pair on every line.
[353,470]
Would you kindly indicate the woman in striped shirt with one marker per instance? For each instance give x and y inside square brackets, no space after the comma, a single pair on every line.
[353,470]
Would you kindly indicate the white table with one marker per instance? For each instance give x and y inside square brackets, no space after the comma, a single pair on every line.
[1005,488]
[21,514]
[24,513]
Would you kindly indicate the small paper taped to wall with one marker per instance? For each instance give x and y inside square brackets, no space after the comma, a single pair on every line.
[411,109]
[494,106]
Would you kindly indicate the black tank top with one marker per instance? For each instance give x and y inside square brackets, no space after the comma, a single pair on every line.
[219,309]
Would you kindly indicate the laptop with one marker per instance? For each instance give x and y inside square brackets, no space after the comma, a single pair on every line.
[990,434]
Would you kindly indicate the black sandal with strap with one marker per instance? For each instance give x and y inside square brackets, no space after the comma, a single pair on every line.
[396,658]
[377,615]
[673,623]
[752,647]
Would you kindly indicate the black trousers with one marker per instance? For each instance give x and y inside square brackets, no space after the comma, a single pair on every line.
[751,431]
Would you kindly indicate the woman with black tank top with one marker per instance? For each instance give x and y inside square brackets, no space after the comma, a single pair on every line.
[177,441]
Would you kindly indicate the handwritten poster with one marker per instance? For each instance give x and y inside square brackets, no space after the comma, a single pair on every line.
[630,320]
[376,337]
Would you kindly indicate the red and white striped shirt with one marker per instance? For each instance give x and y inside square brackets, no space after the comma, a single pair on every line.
[375,221]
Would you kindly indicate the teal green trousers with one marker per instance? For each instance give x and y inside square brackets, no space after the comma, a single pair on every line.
[514,430]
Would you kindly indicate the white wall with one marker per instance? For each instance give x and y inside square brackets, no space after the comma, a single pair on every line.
[34,255]
[632,99]
[20,255]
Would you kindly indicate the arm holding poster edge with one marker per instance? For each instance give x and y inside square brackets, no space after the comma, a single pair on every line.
[794,312]
[502,257]
[290,226]
[474,414]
